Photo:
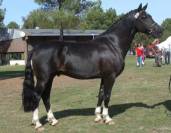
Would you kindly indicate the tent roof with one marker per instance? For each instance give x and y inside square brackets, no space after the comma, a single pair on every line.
[165,44]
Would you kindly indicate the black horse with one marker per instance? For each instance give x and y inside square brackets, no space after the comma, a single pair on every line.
[102,58]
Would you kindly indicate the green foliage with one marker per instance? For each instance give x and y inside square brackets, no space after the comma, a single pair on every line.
[97,18]
[110,17]
[68,14]
[142,38]
[50,19]
[68,19]
[38,18]
[94,18]
[77,6]
[49,4]
[2,14]
[167,29]
[13,25]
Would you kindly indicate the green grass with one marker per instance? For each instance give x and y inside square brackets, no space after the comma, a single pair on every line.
[11,71]
[140,103]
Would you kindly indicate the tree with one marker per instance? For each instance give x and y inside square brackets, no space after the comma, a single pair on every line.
[2,14]
[66,12]
[38,18]
[96,18]
[77,5]
[110,17]
[143,38]
[13,25]
[166,25]
[49,4]
[58,14]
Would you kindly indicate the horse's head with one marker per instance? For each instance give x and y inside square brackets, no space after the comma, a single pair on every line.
[144,22]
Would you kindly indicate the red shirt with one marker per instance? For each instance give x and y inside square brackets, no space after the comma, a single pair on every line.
[139,51]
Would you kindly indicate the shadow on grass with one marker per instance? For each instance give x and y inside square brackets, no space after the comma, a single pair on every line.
[166,104]
[114,110]
[11,74]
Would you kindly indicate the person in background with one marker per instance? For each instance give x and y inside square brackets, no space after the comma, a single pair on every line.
[167,56]
[157,52]
[139,54]
[143,53]
[163,56]
[158,57]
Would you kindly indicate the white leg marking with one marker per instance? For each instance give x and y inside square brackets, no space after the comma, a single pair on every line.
[35,120]
[98,114]
[51,118]
[106,116]
[31,64]
[105,111]
[98,110]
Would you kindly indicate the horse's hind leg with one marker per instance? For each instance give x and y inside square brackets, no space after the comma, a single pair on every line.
[46,101]
[39,89]
[99,103]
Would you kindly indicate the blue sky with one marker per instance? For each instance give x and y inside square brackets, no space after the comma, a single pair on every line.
[159,9]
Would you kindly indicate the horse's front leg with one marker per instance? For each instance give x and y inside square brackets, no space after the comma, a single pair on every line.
[35,120]
[108,84]
[98,109]
[46,100]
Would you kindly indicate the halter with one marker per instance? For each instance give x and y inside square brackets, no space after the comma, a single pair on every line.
[148,24]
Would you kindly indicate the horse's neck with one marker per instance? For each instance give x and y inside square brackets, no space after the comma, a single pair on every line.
[125,32]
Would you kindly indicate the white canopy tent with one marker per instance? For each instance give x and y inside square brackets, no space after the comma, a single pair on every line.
[165,44]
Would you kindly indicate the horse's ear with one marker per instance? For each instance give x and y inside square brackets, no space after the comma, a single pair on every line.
[139,8]
[145,7]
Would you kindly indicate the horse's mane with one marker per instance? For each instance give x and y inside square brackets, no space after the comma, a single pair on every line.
[119,21]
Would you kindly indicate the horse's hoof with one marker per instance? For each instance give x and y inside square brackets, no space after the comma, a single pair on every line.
[54,122]
[98,120]
[109,122]
[40,129]
[39,126]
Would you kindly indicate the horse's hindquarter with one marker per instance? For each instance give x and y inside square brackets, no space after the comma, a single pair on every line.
[43,59]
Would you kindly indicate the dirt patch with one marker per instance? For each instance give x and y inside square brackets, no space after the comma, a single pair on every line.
[11,86]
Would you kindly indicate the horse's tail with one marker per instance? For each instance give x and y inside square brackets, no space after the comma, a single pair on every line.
[29,96]
[170,83]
